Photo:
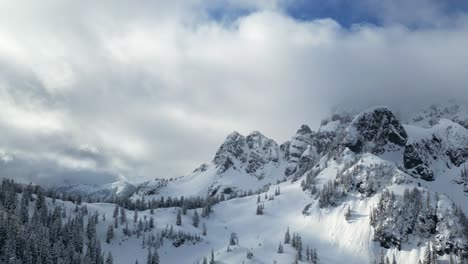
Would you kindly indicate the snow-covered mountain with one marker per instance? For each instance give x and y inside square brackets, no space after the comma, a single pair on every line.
[431,115]
[105,192]
[364,187]
[242,163]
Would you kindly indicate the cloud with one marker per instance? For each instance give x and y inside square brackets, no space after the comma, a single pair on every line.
[114,90]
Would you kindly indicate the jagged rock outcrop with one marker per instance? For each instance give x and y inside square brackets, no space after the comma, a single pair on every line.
[419,156]
[375,130]
[445,145]
[248,153]
[307,146]
[296,147]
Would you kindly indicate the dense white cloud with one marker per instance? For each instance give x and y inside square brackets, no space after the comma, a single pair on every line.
[131,91]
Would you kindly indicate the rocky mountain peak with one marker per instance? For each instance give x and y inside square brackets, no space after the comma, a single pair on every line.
[304,130]
[248,153]
[375,130]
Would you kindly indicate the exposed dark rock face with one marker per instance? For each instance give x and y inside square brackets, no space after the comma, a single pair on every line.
[250,153]
[316,144]
[232,148]
[458,156]
[447,147]
[298,144]
[418,158]
[375,131]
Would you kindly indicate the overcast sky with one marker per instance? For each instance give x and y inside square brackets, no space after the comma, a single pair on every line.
[94,91]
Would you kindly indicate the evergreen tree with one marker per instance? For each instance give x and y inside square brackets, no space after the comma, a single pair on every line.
[179,218]
[287,237]
[381,257]
[123,215]
[155,257]
[212,259]
[314,256]
[427,258]
[24,212]
[433,255]
[259,209]
[233,240]
[195,219]
[109,234]
[280,248]
[249,254]
[149,259]
[204,229]
[110,259]
[348,213]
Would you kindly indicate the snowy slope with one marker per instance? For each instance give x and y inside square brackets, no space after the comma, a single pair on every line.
[332,181]
[326,229]
[430,116]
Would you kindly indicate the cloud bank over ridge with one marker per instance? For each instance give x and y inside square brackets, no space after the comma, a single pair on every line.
[93,92]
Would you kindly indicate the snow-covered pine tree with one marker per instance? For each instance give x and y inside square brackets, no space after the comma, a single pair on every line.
[116,222]
[348,213]
[155,257]
[149,258]
[464,175]
[116,211]
[109,234]
[212,259]
[427,258]
[195,218]
[123,215]
[287,237]
[110,259]
[381,257]
[259,209]
[280,248]
[179,218]
[233,239]
[249,254]
[314,256]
